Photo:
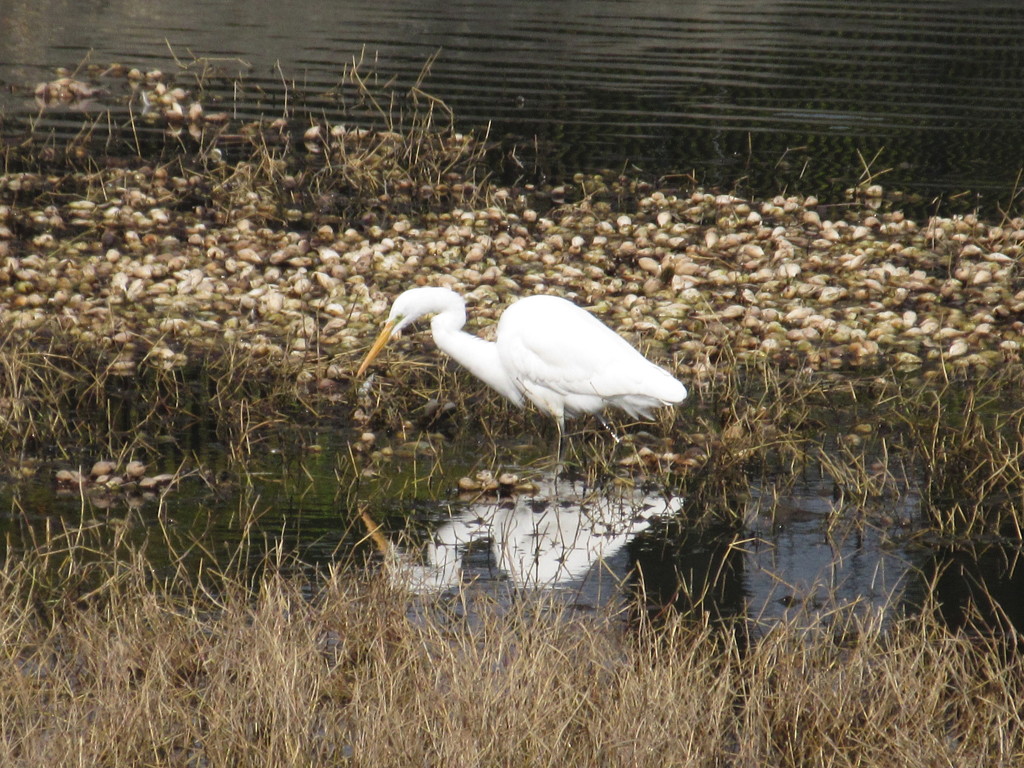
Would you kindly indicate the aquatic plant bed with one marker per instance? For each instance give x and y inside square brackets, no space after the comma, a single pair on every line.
[203,293]
[157,265]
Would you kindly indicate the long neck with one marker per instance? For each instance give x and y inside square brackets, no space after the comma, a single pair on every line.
[480,357]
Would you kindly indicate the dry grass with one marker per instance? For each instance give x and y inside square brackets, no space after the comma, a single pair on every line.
[971,446]
[61,398]
[109,663]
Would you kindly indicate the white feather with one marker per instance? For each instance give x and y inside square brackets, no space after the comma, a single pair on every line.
[548,350]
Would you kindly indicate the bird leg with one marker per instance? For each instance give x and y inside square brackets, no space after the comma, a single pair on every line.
[559,435]
[562,444]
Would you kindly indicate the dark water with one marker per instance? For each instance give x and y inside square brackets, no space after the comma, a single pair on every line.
[768,96]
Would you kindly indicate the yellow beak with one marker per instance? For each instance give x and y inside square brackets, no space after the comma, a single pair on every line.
[373,531]
[378,345]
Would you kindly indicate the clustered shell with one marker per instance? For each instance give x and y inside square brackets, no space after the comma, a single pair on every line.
[106,480]
[152,96]
[694,278]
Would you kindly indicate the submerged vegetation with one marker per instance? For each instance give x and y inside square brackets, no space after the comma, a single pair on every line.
[224,277]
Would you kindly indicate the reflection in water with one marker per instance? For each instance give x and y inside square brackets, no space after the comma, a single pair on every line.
[695,572]
[977,586]
[806,561]
[796,566]
[567,536]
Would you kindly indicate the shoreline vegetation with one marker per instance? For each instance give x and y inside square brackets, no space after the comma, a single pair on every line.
[239,275]
[107,665]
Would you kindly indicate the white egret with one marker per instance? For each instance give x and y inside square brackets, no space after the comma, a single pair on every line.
[548,351]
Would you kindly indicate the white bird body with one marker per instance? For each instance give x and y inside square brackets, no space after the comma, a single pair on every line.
[548,351]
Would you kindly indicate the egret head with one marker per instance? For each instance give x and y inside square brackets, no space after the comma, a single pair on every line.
[406,309]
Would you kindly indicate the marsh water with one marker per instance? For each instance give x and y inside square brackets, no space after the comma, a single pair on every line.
[763,97]
[792,549]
